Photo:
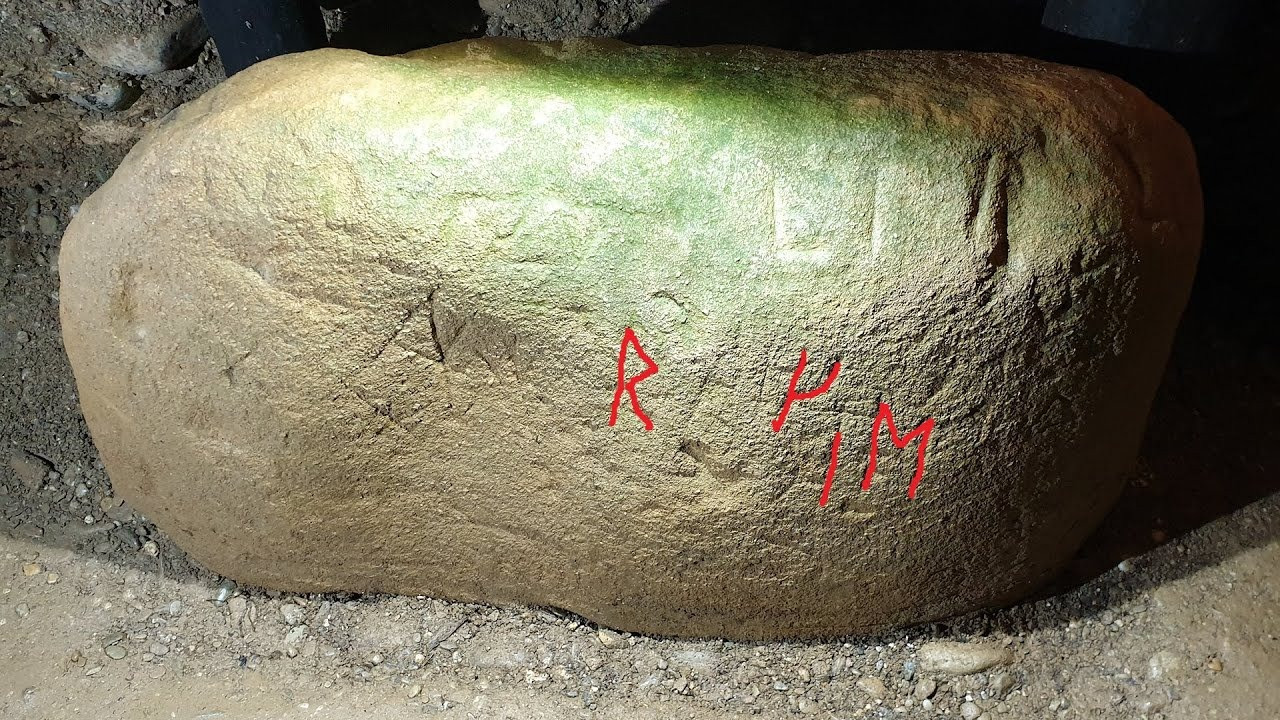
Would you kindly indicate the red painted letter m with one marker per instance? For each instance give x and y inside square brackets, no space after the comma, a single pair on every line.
[922,432]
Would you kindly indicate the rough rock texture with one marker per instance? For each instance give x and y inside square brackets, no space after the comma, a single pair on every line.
[169,44]
[349,322]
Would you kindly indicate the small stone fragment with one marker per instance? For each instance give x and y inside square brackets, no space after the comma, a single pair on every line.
[115,652]
[30,569]
[225,590]
[22,610]
[1000,683]
[295,636]
[292,614]
[612,640]
[925,689]
[1163,663]
[52,578]
[47,225]
[956,658]
[30,468]
[415,690]
[970,711]
[112,95]
[872,686]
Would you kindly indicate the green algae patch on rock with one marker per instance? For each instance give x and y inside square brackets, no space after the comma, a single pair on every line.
[353,323]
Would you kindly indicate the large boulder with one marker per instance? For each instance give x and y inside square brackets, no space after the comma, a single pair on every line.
[354,323]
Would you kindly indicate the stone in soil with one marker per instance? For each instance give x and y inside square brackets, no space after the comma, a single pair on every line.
[112,95]
[442,305]
[170,43]
[956,658]
[292,614]
[612,640]
[30,468]
[872,686]
[1000,683]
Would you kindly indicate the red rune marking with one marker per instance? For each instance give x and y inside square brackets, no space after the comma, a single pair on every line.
[831,471]
[792,395]
[651,368]
[922,431]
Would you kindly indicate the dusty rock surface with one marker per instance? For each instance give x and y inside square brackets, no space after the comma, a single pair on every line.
[372,322]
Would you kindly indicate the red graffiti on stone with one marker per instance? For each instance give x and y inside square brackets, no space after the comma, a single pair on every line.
[651,368]
[883,415]
[792,395]
[922,431]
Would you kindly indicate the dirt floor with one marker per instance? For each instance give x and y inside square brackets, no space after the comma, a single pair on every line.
[1171,611]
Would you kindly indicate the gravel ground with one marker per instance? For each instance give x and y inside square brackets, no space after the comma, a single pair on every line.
[1172,611]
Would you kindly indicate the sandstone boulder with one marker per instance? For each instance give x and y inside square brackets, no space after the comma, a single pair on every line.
[354,323]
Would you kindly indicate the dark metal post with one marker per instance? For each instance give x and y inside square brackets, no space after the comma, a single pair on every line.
[249,31]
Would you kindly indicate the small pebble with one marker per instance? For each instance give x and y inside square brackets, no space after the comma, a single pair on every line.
[956,658]
[872,686]
[1000,683]
[1164,663]
[925,689]
[112,95]
[292,614]
[1214,664]
[115,652]
[612,640]
[47,225]
[970,711]
[415,691]
[30,569]
[52,578]
[22,610]
[225,590]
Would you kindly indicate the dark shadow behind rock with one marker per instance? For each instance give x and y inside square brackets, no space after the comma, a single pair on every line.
[389,27]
